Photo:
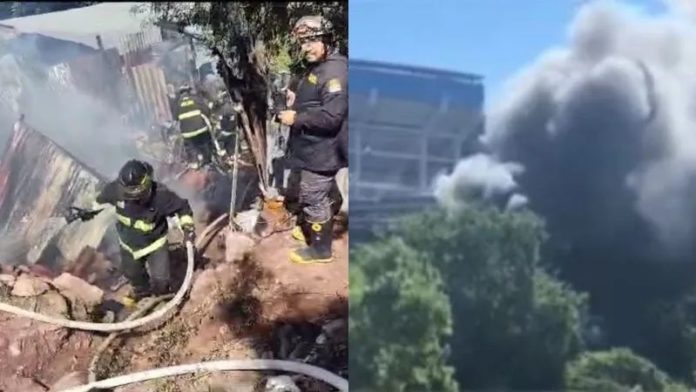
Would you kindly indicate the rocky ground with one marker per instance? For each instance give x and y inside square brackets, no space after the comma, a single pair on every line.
[258,306]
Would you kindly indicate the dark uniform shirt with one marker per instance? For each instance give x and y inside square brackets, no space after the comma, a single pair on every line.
[319,136]
[142,228]
[189,112]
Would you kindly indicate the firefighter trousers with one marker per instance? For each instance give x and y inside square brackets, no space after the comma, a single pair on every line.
[316,195]
[199,145]
[156,263]
[293,190]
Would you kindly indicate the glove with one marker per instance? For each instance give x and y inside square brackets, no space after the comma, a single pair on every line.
[189,234]
[75,213]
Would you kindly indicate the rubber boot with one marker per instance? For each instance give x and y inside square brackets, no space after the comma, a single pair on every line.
[301,232]
[160,288]
[298,234]
[319,249]
[136,294]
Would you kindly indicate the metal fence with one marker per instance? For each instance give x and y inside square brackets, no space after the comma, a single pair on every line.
[150,87]
[145,77]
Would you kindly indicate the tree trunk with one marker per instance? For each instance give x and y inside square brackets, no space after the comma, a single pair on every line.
[250,92]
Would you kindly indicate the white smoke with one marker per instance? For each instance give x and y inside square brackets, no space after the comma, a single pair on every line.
[516,202]
[682,8]
[477,176]
[614,110]
[86,125]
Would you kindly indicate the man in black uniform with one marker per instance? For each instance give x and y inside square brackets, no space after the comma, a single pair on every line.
[318,123]
[192,112]
[142,207]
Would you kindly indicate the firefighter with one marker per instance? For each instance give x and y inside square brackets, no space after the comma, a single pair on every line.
[193,116]
[318,123]
[228,124]
[142,207]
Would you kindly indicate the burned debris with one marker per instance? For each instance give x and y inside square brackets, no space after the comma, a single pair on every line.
[70,117]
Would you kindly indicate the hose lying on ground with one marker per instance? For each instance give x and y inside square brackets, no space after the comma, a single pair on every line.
[120,326]
[143,308]
[242,364]
[238,364]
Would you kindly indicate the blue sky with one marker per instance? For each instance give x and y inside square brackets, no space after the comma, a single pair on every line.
[493,38]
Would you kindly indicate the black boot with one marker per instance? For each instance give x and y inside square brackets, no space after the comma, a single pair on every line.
[302,231]
[160,287]
[319,250]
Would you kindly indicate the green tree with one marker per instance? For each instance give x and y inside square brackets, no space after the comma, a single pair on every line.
[618,369]
[670,326]
[399,317]
[514,325]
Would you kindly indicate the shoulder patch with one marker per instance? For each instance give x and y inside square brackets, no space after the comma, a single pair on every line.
[333,85]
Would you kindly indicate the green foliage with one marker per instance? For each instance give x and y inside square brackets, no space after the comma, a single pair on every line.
[618,369]
[671,324]
[399,317]
[266,25]
[514,325]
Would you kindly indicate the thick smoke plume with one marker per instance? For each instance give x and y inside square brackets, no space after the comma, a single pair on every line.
[605,129]
[90,127]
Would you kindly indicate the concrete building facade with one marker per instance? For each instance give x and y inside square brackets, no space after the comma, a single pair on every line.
[407,124]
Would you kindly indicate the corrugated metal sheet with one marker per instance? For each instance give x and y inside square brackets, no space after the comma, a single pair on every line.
[150,86]
[38,180]
[136,48]
[146,79]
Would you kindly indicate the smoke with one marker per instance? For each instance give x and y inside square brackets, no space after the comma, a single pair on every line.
[682,8]
[605,129]
[479,176]
[88,126]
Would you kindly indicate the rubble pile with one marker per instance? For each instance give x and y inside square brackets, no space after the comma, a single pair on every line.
[243,309]
[42,357]
[243,302]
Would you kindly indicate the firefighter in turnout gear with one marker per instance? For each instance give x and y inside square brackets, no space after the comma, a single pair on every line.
[318,125]
[142,207]
[194,123]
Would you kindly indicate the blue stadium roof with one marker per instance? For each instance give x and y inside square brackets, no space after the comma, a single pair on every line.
[420,84]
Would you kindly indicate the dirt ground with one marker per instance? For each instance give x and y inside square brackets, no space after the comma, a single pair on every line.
[237,310]
[234,310]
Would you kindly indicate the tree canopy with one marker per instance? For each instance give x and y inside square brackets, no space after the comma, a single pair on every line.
[399,319]
[510,321]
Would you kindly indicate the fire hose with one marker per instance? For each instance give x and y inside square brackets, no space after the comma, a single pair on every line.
[72,215]
[110,327]
[239,364]
[242,364]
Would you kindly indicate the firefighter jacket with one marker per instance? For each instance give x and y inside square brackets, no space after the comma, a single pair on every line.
[142,226]
[189,112]
[318,138]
